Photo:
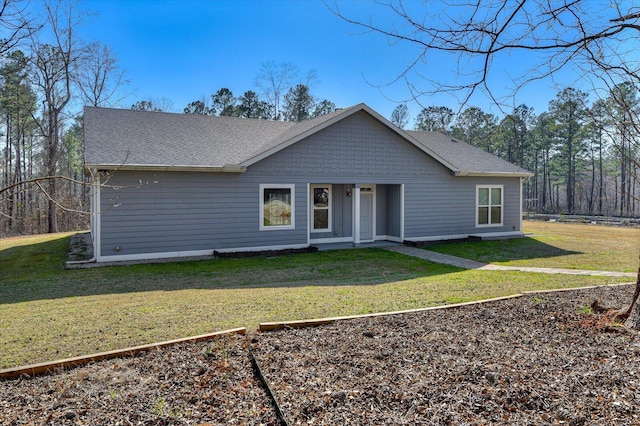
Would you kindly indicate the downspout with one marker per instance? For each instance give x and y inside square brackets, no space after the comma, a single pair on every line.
[81,262]
[522,182]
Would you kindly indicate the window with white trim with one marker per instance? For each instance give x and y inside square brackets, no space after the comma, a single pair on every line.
[277,207]
[489,205]
[321,208]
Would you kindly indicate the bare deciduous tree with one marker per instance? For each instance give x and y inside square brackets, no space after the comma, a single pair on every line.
[400,116]
[100,77]
[599,37]
[161,104]
[274,79]
[54,66]
[15,24]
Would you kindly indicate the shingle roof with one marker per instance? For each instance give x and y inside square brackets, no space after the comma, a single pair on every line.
[118,138]
[466,159]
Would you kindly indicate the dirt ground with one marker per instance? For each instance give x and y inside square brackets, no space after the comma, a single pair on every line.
[199,383]
[539,359]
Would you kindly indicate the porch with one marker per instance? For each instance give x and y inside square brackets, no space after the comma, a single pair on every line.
[354,214]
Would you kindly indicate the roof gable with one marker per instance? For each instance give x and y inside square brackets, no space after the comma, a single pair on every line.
[128,139]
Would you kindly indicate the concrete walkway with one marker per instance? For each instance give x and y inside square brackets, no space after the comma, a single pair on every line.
[472,264]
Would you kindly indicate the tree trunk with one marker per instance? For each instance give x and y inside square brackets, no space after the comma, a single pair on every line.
[52,211]
[593,182]
[633,311]
[623,177]
[544,183]
[601,184]
[52,164]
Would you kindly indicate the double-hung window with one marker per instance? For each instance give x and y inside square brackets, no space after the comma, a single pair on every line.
[321,208]
[489,202]
[277,207]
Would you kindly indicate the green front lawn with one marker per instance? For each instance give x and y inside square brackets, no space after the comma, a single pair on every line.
[48,313]
[556,245]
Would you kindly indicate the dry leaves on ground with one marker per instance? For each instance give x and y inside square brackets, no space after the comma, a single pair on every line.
[537,359]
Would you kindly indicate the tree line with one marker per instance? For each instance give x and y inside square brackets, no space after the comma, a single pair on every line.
[584,156]
[285,96]
[46,71]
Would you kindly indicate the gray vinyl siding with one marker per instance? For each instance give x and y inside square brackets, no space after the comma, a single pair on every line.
[190,211]
[388,207]
[358,149]
[381,210]
[393,204]
[342,213]
[186,211]
[448,207]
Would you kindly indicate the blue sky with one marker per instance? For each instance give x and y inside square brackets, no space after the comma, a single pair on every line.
[188,49]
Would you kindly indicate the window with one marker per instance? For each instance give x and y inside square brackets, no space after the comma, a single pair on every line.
[277,207]
[321,208]
[489,205]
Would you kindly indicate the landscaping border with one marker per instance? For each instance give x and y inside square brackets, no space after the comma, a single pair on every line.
[272,326]
[257,370]
[68,363]
[559,290]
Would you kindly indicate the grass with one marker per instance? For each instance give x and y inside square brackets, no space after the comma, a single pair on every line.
[555,245]
[47,312]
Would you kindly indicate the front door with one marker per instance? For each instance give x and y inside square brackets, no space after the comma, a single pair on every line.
[366,213]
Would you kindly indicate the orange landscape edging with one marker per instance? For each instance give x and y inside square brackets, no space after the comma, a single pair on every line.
[44,367]
[270,326]
[560,290]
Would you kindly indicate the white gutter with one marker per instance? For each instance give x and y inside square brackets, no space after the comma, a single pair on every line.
[492,174]
[227,168]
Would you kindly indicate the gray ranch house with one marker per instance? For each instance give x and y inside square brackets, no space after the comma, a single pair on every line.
[172,185]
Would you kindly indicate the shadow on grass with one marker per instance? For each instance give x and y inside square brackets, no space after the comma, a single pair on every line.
[502,250]
[35,272]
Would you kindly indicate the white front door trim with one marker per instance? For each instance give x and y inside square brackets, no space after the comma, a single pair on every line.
[368,190]
[356,214]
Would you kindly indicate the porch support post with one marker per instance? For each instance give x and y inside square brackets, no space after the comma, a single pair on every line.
[356,214]
[309,213]
[402,213]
